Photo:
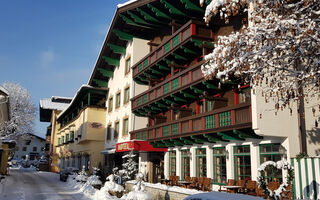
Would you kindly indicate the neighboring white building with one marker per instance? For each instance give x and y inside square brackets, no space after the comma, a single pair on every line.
[4,105]
[31,145]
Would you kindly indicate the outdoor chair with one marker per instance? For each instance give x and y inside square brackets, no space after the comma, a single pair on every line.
[251,187]
[273,185]
[242,184]
[259,192]
[230,182]
[206,184]
[174,180]
[200,183]
[188,178]
[194,181]
[286,194]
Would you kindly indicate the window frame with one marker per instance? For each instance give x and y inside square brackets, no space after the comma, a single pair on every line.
[198,156]
[109,134]
[272,154]
[110,104]
[126,72]
[124,95]
[235,154]
[215,166]
[172,170]
[115,130]
[185,166]
[118,93]
[123,129]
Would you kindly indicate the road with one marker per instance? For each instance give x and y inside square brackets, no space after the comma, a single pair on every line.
[28,184]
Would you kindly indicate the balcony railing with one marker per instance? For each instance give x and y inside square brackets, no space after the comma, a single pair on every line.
[169,89]
[219,120]
[184,44]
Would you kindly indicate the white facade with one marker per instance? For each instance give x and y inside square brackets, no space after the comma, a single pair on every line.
[117,84]
[30,145]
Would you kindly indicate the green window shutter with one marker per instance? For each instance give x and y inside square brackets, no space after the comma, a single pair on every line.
[146,63]
[225,118]
[139,101]
[138,136]
[145,98]
[166,131]
[175,129]
[139,67]
[176,40]
[144,135]
[166,88]
[167,47]
[175,84]
[210,121]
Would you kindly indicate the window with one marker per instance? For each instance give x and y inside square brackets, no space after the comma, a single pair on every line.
[185,163]
[28,142]
[62,139]
[116,129]
[109,132]
[245,95]
[58,141]
[126,95]
[128,66]
[67,137]
[172,163]
[87,162]
[34,149]
[201,162]
[242,162]
[24,148]
[125,127]
[110,104]
[118,100]
[270,152]
[71,135]
[219,165]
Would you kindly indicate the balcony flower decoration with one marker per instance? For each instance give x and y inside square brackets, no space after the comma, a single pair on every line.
[283,165]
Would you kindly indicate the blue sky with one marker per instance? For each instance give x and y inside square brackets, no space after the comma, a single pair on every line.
[50,46]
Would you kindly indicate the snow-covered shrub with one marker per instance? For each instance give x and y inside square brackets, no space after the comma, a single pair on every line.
[139,192]
[111,187]
[82,177]
[130,167]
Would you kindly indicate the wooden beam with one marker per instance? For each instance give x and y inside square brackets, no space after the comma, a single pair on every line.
[174,65]
[198,140]
[147,16]
[229,136]
[122,35]
[188,95]
[244,135]
[101,83]
[105,72]
[176,98]
[177,142]
[172,9]
[117,49]
[137,19]
[191,6]
[196,90]
[111,61]
[158,12]
[163,67]
[187,141]
[188,51]
[210,85]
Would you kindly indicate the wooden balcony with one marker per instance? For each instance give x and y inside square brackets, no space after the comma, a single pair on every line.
[181,48]
[183,87]
[224,124]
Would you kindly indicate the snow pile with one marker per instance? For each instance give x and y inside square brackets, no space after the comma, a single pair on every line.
[139,192]
[110,185]
[82,177]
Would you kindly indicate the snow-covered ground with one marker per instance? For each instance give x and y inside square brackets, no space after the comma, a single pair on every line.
[29,184]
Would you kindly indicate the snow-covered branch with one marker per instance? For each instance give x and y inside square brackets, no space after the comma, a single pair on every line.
[279,50]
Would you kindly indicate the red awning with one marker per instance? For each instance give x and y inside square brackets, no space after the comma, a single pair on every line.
[137,145]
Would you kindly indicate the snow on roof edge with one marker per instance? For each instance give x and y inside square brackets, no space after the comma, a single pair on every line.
[4,90]
[126,3]
[82,86]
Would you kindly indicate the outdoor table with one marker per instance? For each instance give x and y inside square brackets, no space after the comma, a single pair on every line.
[166,181]
[232,188]
[185,184]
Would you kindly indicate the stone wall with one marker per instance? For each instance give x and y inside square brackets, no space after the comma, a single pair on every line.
[160,194]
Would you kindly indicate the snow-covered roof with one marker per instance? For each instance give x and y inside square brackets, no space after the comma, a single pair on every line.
[54,104]
[2,89]
[126,3]
[74,98]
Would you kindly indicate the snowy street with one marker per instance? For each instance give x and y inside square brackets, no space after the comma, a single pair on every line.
[30,184]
